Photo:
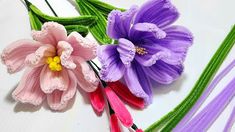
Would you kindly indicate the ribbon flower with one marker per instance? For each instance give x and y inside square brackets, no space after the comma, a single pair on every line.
[148,47]
[55,64]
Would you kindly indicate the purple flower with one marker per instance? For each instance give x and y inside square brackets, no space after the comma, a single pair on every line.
[149,47]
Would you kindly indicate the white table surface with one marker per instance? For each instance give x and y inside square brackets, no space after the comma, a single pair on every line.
[209,21]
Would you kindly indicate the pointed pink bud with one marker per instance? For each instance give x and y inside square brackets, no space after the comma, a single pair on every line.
[119,108]
[97,100]
[122,91]
[114,123]
[139,130]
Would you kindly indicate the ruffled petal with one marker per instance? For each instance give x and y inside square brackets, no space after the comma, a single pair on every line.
[134,85]
[82,47]
[118,106]
[178,40]
[58,100]
[144,82]
[126,50]
[39,57]
[86,77]
[151,28]
[64,51]
[111,63]
[28,90]
[119,23]
[159,12]
[51,33]
[97,100]
[164,73]
[14,55]
[51,80]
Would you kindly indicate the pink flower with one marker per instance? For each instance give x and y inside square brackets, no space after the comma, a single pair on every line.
[55,63]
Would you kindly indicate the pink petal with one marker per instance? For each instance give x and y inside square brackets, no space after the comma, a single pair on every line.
[51,33]
[28,90]
[14,55]
[114,126]
[139,130]
[83,47]
[97,100]
[122,91]
[58,100]
[64,51]
[86,77]
[39,57]
[51,80]
[119,108]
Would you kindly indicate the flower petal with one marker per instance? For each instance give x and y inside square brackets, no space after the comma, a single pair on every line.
[122,91]
[152,28]
[97,99]
[28,90]
[51,80]
[82,47]
[14,55]
[178,40]
[58,100]
[126,51]
[119,23]
[51,33]
[39,57]
[86,77]
[134,85]
[159,12]
[119,108]
[111,63]
[64,51]
[114,125]
[164,73]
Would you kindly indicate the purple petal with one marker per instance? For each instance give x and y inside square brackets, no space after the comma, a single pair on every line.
[178,40]
[152,28]
[159,12]
[153,53]
[119,23]
[112,67]
[164,73]
[126,51]
[136,85]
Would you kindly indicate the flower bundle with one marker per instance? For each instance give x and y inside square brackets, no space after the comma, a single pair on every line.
[135,47]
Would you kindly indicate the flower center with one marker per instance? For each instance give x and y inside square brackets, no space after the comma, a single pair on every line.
[54,63]
[141,50]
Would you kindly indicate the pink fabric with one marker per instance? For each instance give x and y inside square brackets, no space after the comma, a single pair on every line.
[118,106]
[39,81]
[114,126]
[97,100]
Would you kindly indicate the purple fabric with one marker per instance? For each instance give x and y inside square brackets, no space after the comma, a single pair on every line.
[148,47]
[203,120]
[230,122]
[205,94]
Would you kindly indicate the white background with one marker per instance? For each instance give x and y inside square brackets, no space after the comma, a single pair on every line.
[209,21]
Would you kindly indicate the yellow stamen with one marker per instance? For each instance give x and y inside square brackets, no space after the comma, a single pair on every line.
[141,50]
[54,63]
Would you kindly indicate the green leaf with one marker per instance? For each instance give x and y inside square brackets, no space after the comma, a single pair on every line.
[35,23]
[81,20]
[103,7]
[78,28]
[98,29]
[170,120]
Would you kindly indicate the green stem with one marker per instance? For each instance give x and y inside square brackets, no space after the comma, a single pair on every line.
[173,118]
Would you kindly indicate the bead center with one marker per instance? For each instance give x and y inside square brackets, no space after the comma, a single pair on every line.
[54,63]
